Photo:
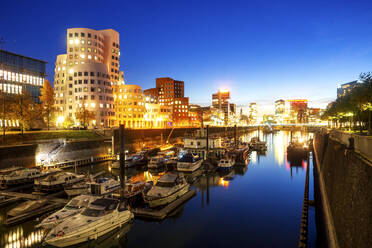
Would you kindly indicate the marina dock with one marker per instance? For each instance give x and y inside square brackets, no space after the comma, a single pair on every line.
[160,214]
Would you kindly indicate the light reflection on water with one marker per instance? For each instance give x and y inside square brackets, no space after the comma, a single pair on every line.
[16,238]
[259,203]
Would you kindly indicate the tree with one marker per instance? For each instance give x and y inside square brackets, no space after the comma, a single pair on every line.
[357,103]
[68,122]
[5,113]
[47,100]
[84,116]
[24,110]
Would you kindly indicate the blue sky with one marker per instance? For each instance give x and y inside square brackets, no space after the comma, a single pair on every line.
[263,50]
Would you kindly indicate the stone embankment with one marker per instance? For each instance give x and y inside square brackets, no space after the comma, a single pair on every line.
[343,186]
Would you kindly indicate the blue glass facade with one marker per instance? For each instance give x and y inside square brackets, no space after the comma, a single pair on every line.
[19,73]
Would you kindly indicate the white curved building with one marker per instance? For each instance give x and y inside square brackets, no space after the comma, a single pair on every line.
[86,74]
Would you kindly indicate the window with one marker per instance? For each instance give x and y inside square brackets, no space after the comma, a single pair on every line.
[70,35]
[92,73]
[76,34]
[82,35]
[85,81]
[85,73]
[89,35]
[80,73]
[92,89]
[91,81]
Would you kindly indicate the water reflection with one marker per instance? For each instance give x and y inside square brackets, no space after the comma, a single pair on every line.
[16,238]
[261,185]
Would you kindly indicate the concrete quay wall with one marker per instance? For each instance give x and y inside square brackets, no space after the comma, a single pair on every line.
[344,182]
[28,155]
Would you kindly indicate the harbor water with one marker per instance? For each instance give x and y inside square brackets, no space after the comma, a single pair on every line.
[257,205]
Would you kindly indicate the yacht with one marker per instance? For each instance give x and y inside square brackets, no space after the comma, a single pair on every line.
[137,159]
[73,207]
[135,188]
[226,164]
[22,176]
[100,217]
[77,189]
[8,170]
[104,186]
[168,188]
[156,162]
[27,206]
[57,182]
[189,163]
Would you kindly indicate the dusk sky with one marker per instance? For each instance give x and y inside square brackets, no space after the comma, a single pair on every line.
[261,50]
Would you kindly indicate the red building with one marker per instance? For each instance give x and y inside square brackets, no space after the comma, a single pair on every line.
[170,92]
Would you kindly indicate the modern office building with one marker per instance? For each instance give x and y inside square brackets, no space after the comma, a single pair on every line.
[253,113]
[135,109]
[220,100]
[345,88]
[298,110]
[19,73]
[171,93]
[279,111]
[87,73]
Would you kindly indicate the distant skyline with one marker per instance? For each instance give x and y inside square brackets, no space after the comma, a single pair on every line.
[261,50]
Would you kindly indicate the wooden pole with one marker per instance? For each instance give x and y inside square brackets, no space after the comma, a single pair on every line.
[207,142]
[122,161]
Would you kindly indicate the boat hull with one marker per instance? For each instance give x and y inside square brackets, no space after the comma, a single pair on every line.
[92,231]
[168,199]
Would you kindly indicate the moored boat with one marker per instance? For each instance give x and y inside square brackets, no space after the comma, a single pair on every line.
[57,182]
[21,176]
[135,188]
[168,188]
[26,207]
[226,163]
[73,207]
[100,217]
[104,186]
[156,162]
[189,163]
[77,189]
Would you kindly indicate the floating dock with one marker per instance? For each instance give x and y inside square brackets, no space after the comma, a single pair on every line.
[160,214]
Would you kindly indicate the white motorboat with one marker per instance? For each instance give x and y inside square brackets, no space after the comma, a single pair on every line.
[8,170]
[156,162]
[168,188]
[27,206]
[135,188]
[100,217]
[104,186]
[73,207]
[21,176]
[226,164]
[77,189]
[58,181]
[189,163]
